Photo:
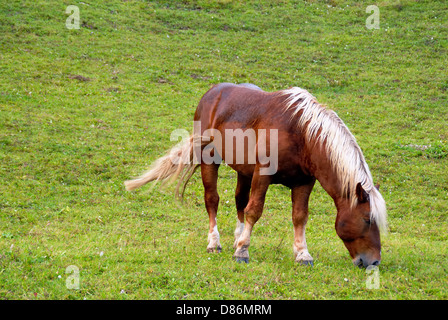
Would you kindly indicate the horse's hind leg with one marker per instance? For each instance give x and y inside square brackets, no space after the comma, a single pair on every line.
[300,196]
[209,173]
[241,199]
[253,210]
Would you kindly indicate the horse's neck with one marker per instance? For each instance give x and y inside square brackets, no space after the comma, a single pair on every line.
[326,175]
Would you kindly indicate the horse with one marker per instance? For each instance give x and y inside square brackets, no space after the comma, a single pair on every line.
[310,143]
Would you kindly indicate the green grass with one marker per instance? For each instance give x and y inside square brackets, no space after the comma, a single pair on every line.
[83,110]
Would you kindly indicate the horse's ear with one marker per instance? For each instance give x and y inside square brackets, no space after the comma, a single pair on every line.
[377,186]
[361,193]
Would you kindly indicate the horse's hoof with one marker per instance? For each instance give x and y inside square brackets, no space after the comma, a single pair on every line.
[304,258]
[240,259]
[218,249]
[306,263]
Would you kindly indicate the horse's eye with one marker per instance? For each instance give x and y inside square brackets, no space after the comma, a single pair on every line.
[367,220]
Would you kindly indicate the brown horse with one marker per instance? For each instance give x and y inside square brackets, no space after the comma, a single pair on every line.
[306,141]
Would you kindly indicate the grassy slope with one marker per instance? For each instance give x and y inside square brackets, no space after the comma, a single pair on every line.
[66,145]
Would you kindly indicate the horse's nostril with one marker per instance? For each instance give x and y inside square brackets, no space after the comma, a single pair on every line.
[358,262]
[376,263]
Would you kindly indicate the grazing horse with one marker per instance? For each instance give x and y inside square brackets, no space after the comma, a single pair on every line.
[306,141]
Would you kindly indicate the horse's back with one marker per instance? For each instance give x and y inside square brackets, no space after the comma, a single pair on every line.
[228,102]
[250,86]
[223,85]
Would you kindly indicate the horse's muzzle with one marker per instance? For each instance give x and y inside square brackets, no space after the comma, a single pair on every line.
[363,262]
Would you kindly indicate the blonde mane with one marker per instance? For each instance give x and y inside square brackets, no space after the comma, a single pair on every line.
[321,124]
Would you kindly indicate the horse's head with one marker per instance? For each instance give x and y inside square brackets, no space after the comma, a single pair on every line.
[358,228]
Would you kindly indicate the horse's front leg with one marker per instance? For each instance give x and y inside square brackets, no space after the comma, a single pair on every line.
[209,173]
[300,196]
[252,212]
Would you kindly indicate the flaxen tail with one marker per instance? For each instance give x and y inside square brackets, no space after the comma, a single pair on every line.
[177,164]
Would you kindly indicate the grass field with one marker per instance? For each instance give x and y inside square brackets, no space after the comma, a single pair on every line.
[82,110]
